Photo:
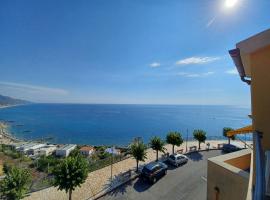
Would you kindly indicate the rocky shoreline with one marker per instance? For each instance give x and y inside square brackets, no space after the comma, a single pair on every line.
[5,136]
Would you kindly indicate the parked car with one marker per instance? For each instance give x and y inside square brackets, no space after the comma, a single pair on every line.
[228,148]
[153,171]
[177,159]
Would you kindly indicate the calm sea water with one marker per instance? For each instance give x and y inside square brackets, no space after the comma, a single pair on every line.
[118,124]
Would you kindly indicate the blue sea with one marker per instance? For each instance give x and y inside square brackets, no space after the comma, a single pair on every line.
[99,124]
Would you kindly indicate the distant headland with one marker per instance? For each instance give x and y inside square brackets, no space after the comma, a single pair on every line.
[6,101]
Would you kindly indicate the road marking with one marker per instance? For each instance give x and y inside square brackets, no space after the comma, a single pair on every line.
[203,178]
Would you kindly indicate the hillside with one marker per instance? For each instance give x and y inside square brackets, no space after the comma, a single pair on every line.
[6,101]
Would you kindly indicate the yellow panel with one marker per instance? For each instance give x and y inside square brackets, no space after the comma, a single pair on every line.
[244,130]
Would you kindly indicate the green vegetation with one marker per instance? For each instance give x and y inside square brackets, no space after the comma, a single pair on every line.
[95,164]
[199,135]
[16,183]
[1,170]
[225,131]
[138,151]
[46,163]
[174,138]
[158,145]
[70,173]
[8,151]
[75,152]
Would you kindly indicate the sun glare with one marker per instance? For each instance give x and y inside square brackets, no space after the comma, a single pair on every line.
[230,3]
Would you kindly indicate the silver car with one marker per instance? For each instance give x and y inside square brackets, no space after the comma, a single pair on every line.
[177,159]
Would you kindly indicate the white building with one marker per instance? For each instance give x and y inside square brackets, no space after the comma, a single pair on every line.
[113,150]
[65,150]
[30,148]
[46,150]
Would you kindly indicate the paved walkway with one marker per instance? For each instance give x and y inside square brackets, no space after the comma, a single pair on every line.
[100,179]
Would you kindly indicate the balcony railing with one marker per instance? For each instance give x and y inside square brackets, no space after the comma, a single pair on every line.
[259,188]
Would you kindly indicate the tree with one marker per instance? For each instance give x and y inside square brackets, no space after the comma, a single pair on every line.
[199,135]
[225,131]
[138,151]
[75,152]
[70,173]
[158,145]
[16,183]
[6,168]
[174,138]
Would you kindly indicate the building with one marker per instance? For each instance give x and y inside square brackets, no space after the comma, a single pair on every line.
[47,150]
[30,148]
[113,150]
[65,150]
[245,174]
[87,150]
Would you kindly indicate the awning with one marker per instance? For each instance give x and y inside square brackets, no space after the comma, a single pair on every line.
[244,130]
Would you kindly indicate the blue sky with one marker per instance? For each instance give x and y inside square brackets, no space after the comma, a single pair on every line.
[126,51]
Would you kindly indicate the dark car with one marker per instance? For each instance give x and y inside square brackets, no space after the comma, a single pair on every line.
[228,148]
[153,171]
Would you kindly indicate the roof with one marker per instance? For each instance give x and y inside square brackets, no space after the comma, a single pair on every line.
[244,130]
[67,147]
[255,42]
[246,48]
[87,148]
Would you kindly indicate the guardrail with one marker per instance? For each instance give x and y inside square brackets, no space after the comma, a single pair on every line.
[259,188]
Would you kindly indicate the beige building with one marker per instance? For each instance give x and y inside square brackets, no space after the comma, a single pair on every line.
[245,174]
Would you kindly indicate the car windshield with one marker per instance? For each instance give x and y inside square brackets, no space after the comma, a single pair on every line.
[146,170]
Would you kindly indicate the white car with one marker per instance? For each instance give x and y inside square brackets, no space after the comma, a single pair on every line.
[177,159]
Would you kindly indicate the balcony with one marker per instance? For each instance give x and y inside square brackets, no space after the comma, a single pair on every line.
[228,176]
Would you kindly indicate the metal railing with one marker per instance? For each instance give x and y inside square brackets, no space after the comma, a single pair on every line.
[259,188]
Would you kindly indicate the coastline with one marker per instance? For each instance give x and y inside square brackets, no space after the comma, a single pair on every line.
[9,106]
[5,137]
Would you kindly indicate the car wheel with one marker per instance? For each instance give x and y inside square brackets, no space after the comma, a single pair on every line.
[165,172]
[154,180]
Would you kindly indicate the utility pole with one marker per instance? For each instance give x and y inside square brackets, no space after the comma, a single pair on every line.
[111,164]
[187,141]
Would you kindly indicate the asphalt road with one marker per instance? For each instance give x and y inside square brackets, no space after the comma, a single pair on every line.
[187,182]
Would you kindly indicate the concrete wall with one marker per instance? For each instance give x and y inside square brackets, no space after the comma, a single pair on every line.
[260,93]
[242,162]
[225,181]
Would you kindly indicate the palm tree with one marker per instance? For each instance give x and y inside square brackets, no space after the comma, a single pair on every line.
[174,138]
[70,173]
[199,135]
[138,151]
[225,131]
[158,145]
[16,183]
